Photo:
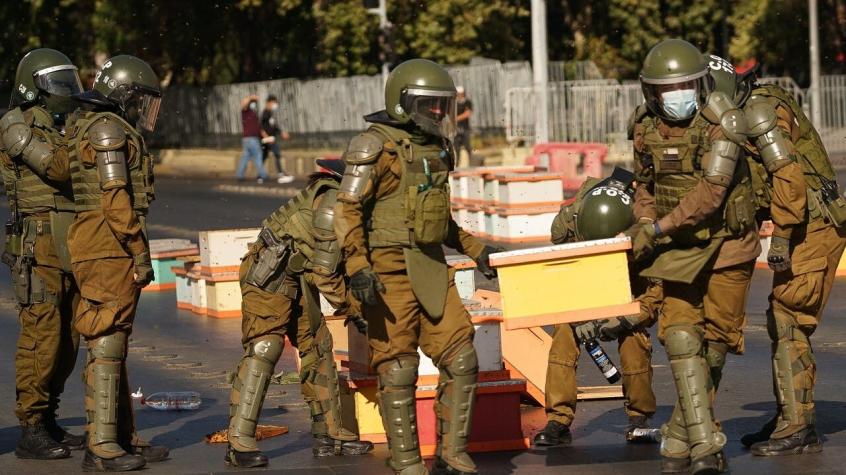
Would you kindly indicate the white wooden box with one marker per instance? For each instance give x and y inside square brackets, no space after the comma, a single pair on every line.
[465,275]
[221,251]
[531,189]
[520,225]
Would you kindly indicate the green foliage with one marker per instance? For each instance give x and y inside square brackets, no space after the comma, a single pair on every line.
[202,42]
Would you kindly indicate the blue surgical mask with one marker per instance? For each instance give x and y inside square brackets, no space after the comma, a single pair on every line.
[679,104]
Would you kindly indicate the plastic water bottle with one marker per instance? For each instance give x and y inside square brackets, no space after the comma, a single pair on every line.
[173,401]
[603,362]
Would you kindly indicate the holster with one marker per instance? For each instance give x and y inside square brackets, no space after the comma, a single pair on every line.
[268,269]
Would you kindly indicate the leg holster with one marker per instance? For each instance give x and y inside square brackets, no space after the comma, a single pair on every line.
[323,378]
[693,382]
[397,381]
[794,371]
[249,389]
[454,404]
[103,379]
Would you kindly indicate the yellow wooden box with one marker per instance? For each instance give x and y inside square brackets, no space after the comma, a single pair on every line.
[565,283]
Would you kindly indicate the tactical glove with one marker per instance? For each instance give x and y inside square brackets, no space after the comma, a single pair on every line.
[359,322]
[364,285]
[779,256]
[483,264]
[613,328]
[143,269]
[587,331]
[643,240]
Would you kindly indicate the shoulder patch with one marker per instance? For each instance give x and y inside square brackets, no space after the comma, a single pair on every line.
[363,148]
[106,134]
[637,115]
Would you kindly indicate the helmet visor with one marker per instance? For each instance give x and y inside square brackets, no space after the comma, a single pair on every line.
[432,111]
[148,112]
[60,80]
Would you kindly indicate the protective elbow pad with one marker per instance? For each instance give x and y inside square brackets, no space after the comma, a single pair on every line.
[721,110]
[355,182]
[108,138]
[721,161]
[15,133]
[775,150]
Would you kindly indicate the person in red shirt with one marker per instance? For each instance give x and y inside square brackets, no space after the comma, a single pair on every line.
[251,139]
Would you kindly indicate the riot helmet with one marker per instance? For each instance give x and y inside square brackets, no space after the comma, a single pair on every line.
[48,77]
[129,84]
[675,80]
[727,81]
[422,92]
[606,209]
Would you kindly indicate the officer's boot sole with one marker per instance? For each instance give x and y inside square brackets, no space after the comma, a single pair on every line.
[675,465]
[231,460]
[812,448]
[53,455]
[709,465]
[124,463]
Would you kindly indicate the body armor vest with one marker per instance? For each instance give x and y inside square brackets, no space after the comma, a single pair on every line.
[816,166]
[27,192]
[678,169]
[312,231]
[86,178]
[418,212]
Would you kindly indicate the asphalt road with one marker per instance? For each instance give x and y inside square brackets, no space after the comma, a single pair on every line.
[163,335]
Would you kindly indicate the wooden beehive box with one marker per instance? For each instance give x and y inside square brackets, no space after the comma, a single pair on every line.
[222,250]
[565,283]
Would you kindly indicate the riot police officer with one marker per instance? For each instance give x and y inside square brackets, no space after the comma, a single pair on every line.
[696,206]
[112,175]
[34,168]
[393,217]
[295,259]
[601,210]
[799,193]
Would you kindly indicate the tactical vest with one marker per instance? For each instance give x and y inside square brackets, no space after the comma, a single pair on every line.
[26,191]
[678,169]
[812,155]
[418,212]
[295,219]
[86,177]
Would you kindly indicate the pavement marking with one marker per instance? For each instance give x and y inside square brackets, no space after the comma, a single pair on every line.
[264,190]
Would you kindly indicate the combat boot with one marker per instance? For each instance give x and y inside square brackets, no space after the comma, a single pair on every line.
[555,433]
[122,463]
[63,437]
[709,464]
[151,453]
[675,464]
[806,441]
[325,446]
[440,467]
[639,431]
[763,435]
[36,443]
[416,469]
[235,458]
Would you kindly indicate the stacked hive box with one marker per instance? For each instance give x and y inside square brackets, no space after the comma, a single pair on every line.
[506,204]
[165,254]
[496,424]
[210,287]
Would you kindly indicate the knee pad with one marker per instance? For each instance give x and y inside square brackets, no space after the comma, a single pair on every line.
[683,341]
[398,372]
[267,348]
[109,347]
[464,362]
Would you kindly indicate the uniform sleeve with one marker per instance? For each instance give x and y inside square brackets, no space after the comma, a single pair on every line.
[349,219]
[58,170]
[698,204]
[789,199]
[121,218]
[462,241]
[644,203]
[334,290]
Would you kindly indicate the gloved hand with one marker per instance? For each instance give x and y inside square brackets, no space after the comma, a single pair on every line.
[779,256]
[588,330]
[359,322]
[643,240]
[483,264]
[613,328]
[143,269]
[364,285]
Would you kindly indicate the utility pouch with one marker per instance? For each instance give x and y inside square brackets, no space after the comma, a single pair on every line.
[835,210]
[431,216]
[268,270]
[13,245]
[740,215]
[21,280]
